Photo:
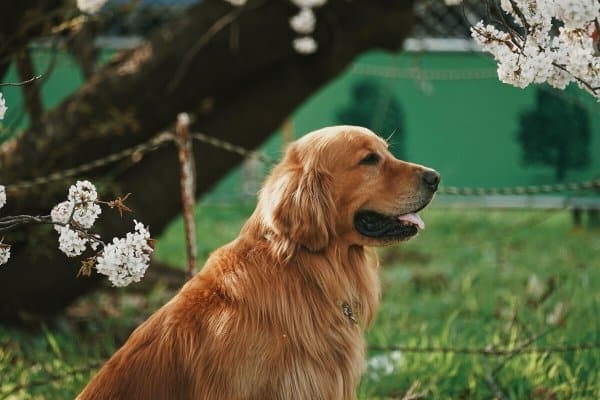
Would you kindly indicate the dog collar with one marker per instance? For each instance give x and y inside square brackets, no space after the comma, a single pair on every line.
[347,310]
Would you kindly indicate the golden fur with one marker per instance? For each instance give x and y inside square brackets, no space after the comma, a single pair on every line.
[264,319]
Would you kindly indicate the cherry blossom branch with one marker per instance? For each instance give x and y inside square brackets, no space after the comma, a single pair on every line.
[519,13]
[504,23]
[124,260]
[13,221]
[546,42]
[524,22]
[3,106]
[593,89]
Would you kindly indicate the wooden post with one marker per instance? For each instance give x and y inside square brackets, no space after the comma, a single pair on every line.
[188,189]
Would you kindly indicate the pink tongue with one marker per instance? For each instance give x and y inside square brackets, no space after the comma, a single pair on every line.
[414,219]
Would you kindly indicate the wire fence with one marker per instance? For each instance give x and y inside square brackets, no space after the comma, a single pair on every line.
[136,153]
[518,350]
[491,351]
[501,353]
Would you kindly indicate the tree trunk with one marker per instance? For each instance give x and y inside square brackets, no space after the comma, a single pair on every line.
[31,91]
[22,20]
[247,70]
[560,170]
[82,47]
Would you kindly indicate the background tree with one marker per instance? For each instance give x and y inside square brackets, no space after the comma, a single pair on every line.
[556,134]
[375,107]
[232,68]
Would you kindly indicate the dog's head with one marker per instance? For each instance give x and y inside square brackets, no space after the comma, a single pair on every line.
[342,183]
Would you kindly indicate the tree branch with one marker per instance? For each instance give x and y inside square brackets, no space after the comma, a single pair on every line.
[253,88]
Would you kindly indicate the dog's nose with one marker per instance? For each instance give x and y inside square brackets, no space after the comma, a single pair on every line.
[431,178]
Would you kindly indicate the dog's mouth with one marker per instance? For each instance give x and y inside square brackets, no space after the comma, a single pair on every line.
[390,227]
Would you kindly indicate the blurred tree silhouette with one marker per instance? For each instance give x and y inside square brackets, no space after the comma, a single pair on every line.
[556,133]
[200,60]
[374,106]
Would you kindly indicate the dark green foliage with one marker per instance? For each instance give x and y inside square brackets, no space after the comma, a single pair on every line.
[556,133]
[374,106]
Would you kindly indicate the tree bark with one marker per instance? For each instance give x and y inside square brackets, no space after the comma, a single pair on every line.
[81,45]
[31,91]
[22,20]
[247,70]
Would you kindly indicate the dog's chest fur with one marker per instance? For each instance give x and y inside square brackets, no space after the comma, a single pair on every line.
[251,328]
[286,328]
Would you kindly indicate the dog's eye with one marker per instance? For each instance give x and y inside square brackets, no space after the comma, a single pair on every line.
[370,159]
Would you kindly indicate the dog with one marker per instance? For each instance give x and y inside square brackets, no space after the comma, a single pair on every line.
[279,312]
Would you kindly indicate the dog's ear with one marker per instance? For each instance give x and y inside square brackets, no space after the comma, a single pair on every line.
[297,204]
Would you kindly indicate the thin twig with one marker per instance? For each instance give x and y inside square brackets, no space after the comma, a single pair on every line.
[219,25]
[504,23]
[588,85]
[412,394]
[521,348]
[519,13]
[35,78]
[490,380]
[13,221]
[491,376]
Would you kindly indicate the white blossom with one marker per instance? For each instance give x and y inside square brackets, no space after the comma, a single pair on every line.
[4,253]
[82,192]
[535,287]
[384,364]
[61,214]
[70,242]
[237,3]
[507,6]
[305,45]
[559,79]
[85,215]
[84,196]
[90,6]
[557,315]
[126,260]
[94,244]
[559,45]
[80,208]
[3,106]
[2,196]
[575,13]
[309,3]
[303,22]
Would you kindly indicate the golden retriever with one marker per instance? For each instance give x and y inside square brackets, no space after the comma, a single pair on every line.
[279,313]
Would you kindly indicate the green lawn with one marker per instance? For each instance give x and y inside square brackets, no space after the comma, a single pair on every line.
[477,279]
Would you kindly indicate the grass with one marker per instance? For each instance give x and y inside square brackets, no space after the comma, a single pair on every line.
[472,279]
